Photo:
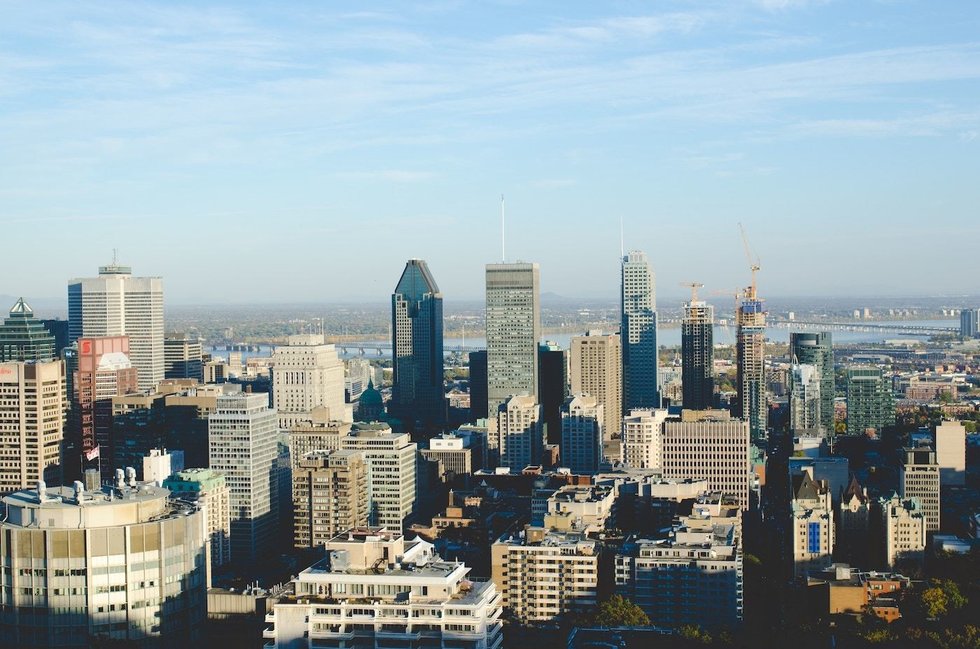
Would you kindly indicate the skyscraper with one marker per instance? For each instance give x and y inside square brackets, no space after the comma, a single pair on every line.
[581,434]
[816,348]
[478,385]
[22,338]
[513,331]
[183,355]
[804,400]
[870,405]
[114,304]
[32,421]
[750,350]
[969,323]
[698,355]
[521,437]
[307,373]
[418,397]
[390,459]
[552,387]
[595,368]
[638,328]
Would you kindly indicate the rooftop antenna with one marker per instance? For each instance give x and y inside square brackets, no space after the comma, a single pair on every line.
[503,231]
[622,247]
[115,256]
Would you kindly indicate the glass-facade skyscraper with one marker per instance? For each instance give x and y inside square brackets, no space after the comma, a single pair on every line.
[513,331]
[418,397]
[638,329]
[816,348]
[22,338]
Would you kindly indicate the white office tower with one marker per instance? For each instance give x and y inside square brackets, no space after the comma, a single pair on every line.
[308,373]
[812,524]
[375,589]
[692,577]
[243,436]
[904,528]
[581,434]
[920,480]
[390,459]
[513,331]
[595,367]
[123,564]
[951,453]
[33,403]
[115,304]
[638,328]
[642,442]
[710,445]
[520,435]
[804,401]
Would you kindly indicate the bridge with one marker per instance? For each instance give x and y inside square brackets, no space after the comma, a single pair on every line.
[895,327]
[384,349]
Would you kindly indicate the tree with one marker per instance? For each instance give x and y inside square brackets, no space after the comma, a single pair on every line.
[940,599]
[619,611]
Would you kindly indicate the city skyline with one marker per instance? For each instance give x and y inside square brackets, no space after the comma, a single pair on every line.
[398,128]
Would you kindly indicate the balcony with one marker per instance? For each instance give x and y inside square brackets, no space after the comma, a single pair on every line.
[269,633]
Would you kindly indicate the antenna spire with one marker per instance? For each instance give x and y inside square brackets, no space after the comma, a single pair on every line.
[503,233]
[622,246]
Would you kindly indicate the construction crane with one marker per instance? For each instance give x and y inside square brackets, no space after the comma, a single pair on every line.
[694,286]
[753,262]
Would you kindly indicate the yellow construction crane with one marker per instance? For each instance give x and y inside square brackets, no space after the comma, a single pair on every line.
[694,286]
[753,262]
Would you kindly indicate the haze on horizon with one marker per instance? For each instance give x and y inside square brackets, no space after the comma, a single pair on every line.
[249,153]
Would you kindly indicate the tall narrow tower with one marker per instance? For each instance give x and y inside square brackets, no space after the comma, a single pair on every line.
[417,397]
[513,331]
[638,330]
[750,350]
[697,353]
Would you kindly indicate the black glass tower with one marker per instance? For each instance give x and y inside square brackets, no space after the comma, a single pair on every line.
[22,338]
[698,356]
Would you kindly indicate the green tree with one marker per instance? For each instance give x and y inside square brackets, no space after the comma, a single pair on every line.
[694,634]
[619,611]
[940,599]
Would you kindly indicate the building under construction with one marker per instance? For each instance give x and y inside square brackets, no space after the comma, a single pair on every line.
[750,346]
[697,354]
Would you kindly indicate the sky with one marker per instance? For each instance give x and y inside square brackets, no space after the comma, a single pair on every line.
[301,152]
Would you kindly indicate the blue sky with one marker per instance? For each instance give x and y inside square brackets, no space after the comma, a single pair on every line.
[297,151]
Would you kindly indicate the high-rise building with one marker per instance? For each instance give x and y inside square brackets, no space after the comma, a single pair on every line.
[122,565]
[115,304]
[103,371]
[513,324]
[904,531]
[307,373]
[951,453]
[390,459]
[642,443]
[638,328]
[920,480]
[595,368]
[478,385]
[804,401]
[385,591]
[581,434]
[750,352]
[32,423]
[208,489]
[418,396]
[243,435]
[816,348]
[22,338]
[330,496]
[812,524]
[552,387]
[698,356]
[519,432]
[710,446]
[969,323]
[870,405]
[183,357]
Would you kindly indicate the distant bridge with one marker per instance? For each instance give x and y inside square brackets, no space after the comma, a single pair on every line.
[384,349]
[895,327]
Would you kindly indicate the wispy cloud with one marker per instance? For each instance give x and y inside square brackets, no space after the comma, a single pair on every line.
[389,175]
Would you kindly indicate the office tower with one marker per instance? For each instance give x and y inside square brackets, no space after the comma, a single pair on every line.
[642,443]
[544,574]
[330,496]
[390,459]
[920,480]
[418,396]
[812,524]
[817,349]
[805,401]
[969,323]
[454,452]
[595,368]
[32,423]
[750,352]
[951,453]
[22,338]
[385,591]
[307,373]
[519,432]
[698,355]
[903,525]
[582,420]
[513,331]
[478,385]
[709,446]
[552,387]
[243,436]
[116,304]
[692,577]
[638,328]
[123,565]
[207,489]
[183,357]
[870,405]
[103,371]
